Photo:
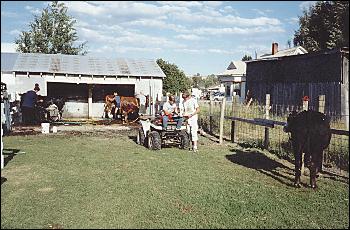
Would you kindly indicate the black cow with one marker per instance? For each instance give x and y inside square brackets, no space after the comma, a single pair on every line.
[311,134]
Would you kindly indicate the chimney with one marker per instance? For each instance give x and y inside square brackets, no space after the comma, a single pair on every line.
[274,48]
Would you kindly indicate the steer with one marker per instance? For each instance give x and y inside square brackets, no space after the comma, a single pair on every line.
[311,134]
[129,107]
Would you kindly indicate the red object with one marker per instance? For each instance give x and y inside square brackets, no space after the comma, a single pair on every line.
[306,98]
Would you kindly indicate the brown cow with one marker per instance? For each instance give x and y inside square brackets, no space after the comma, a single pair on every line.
[129,107]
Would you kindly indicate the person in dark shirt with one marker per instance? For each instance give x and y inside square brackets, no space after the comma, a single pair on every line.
[117,103]
[30,98]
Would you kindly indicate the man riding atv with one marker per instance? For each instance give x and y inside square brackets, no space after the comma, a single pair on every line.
[170,112]
[161,130]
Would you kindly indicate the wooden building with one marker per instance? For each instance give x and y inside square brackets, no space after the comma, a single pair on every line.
[289,78]
[83,80]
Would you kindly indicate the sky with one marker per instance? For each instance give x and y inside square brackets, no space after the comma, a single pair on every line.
[198,36]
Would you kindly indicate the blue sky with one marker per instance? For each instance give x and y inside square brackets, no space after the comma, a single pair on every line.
[199,37]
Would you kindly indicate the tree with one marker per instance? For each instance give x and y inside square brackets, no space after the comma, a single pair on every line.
[246,58]
[210,81]
[323,26]
[197,81]
[51,33]
[175,80]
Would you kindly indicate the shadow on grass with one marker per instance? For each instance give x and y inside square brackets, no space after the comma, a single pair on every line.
[263,164]
[3,180]
[133,138]
[164,146]
[9,155]
[335,177]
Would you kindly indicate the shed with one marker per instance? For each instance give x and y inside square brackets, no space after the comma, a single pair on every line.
[288,79]
[82,80]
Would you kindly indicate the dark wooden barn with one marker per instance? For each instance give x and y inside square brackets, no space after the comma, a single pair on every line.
[288,79]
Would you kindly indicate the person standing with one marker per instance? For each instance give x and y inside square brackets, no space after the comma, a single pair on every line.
[142,99]
[117,104]
[190,110]
[30,99]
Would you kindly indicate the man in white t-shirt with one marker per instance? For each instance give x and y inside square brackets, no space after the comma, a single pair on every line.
[190,109]
[142,100]
[169,110]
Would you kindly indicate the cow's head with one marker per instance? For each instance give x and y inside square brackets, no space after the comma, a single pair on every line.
[290,121]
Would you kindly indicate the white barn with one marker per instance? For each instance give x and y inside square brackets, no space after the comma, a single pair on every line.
[82,80]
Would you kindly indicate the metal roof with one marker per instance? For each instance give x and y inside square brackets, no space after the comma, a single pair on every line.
[77,64]
[8,61]
[286,52]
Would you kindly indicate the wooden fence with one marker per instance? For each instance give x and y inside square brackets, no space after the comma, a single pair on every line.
[264,121]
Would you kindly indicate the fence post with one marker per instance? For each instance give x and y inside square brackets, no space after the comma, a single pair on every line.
[222,114]
[233,105]
[267,107]
[232,131]
[267,114]
[234,102]
[211,105]
[321,103]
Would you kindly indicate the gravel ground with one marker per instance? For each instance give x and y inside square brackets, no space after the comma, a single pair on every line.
[105,127]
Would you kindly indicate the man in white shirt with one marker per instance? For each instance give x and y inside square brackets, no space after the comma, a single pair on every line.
[142,100]
[169,110]
[190,109]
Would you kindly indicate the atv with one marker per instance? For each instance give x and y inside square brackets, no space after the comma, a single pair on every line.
[152,135]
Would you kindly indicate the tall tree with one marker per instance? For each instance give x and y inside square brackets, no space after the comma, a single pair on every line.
[175,80]
[324,25]
[210,81]
[51,33]
[246,57]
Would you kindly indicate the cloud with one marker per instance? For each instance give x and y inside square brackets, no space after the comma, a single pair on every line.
[190,51]
[306,5]
[8,47]
[238,30]
[14,32]
[225,20]
[213,3]
[118,36]
[181,3]
[190,37]
[228,9]
[85,8]
[293,20]
[221,51]
[157,23]
[8,14]
[262,12]
[94,35]
[122,9]
[252,48]
[33,10]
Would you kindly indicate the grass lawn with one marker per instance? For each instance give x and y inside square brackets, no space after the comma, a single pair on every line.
[108,181]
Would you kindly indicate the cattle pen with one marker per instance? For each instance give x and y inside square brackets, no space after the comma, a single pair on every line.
[261,126]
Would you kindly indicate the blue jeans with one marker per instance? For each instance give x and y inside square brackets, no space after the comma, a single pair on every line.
[178,120]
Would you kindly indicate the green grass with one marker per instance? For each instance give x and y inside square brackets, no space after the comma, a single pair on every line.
[89,181]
